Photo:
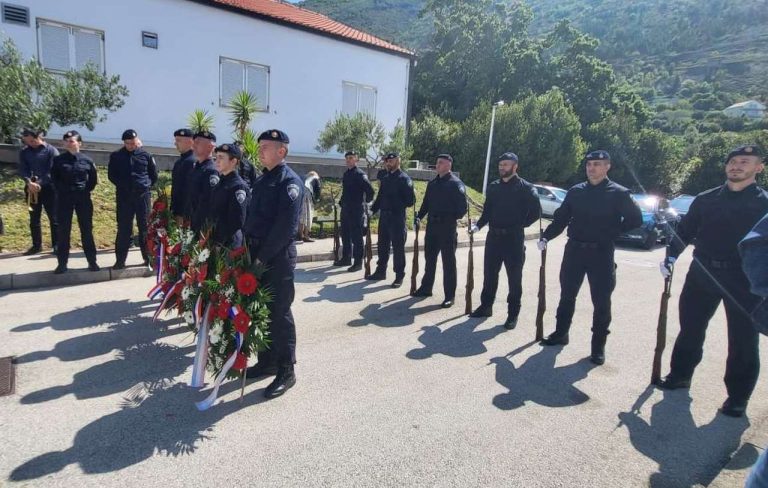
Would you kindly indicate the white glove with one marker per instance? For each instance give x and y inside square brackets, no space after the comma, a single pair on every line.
[474,228]
[666,267]
[542,244]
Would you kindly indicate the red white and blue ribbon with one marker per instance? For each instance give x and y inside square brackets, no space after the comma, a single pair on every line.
[201,350]
[160,260]
[208,402]
[155,291]
[176,288]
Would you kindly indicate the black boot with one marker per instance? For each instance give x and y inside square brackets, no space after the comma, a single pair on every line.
[284,381]
[260,370]
[378,275]
[511,322]
[672,382]
[356,266]
[60,269]
[32,250]
[598,349]
[482,311]
[398,281]
[734,408]
[556,338]
[343,262]
[422,292]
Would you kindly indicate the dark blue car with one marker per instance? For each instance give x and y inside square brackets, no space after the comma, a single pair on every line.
[658,222]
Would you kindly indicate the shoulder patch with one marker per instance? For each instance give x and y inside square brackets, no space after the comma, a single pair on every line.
[293,191]
[240,196]
[213,180]
[410,182]
[462,189]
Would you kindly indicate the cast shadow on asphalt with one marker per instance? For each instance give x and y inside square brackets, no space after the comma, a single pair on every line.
[392,313]
[165,422]
[538,380]
[347,292]
[318,274]
[98,314]
[687,454]
[458,341]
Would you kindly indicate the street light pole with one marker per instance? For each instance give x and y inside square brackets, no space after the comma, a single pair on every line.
[490,142]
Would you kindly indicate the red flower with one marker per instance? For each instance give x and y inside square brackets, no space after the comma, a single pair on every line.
[159,206]
[175,249]
[225,275]
[247,284]
[237,252]
[163,223]
[242,321]
[185,260]
[215,297]
[203,273]
[241,361]
[222,311]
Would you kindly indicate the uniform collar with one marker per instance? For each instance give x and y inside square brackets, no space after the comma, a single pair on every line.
[515,178]
[186,154]
[395,172]
[276,169]
[602,184]
[753,188]
[446,177]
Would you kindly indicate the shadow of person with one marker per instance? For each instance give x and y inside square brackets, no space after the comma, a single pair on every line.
[154,364]
[393,314]
[352,292]
[97,314]
[687,454]
[165,422]
[538,380]
[458,341]
[317,274]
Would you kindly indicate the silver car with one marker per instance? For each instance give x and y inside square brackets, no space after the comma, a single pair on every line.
[550,198]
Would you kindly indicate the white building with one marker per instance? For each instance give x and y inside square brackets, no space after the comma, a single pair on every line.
[179,55]
[751,109]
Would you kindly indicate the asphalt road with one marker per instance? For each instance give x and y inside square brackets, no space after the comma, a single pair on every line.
[392,391]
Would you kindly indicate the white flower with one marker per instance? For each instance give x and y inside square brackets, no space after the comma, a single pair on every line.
[188,317]
[186,292]
[218,278]
[203,256]
[229,291]
[216,331]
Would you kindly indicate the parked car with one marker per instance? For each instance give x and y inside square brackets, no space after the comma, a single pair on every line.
[550,198]
[681,204]
[659,220]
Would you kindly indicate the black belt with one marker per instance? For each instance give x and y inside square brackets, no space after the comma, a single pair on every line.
[505,231]
[439,219]
[716,264]
[584,245]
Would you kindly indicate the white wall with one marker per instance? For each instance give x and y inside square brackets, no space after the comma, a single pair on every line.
[166,84]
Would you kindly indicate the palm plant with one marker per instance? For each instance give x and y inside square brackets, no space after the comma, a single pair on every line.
[242,108]
[200,120]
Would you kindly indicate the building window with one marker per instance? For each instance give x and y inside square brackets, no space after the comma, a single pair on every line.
[358,98]
[65,47]
[236,76]
[149,39]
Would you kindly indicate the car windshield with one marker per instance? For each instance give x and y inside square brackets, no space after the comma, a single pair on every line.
[559,193]
[646,203]
[681,203]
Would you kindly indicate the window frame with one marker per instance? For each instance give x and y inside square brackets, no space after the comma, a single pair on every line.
[244,86]
[358,87]
[71,44]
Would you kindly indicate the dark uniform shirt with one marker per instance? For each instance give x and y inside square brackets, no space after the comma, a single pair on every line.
[73,173]
[445,199]
[132,171]
[595,213]
[717,220]
[200,183]
[355,188]
[510,204]
[395,193]
[179,178]
[273,213]
[247,172]
[37,162]
[229,201]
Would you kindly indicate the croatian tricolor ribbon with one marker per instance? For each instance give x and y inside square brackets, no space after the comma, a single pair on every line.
[201,351]
[208,402]
[174,290]
[160,260]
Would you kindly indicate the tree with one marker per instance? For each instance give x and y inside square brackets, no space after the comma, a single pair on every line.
[363,134]
[432,135]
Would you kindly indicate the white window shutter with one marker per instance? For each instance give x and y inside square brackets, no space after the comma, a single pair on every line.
[54,47]
[88,49]
[231,80]
[258,85]
[367,101]
[349,99]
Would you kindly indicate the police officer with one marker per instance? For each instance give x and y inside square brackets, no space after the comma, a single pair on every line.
[356,193]
[444,203]
[201,180]
[74,176]
[270,227]
[717,220]
[229,199]
[595,212]
[511,206]
[35,161]
[395,195]
[182,139]
[133,172]
[246,168]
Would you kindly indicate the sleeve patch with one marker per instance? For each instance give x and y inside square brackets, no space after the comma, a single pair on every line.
[240,196]
[293,191]
[213,180]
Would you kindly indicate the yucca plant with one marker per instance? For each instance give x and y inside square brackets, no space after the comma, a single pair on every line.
[200,120]
[250,147]
[242,108]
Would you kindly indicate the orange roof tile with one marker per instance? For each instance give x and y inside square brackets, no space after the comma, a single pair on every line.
[307,19]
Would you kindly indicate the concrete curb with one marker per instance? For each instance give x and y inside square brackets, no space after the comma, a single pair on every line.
[44,279]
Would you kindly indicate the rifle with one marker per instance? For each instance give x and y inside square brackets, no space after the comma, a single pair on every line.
[661,332]
[542,291]
[415,267]
[31,196]
[368,243]
[336,242]
[470,267]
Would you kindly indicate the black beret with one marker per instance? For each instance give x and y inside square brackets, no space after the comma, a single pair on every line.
[182,133]
[350,153]
[71,133]
[391,155]
[274,135]
[27,132]
[747,150]
[509,156]
[600,154]
[129,134]
[230,149]
[206,134]
[445,156]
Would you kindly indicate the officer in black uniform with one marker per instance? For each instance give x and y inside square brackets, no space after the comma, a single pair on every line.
[270,227]
[246,168]
[184,142]
[395,195]
[511,205]
[356,193]
[133,172]
[201,180]
[445,201]
[35,161]
[75,177]
[229,199]
[595,212]
[716,221]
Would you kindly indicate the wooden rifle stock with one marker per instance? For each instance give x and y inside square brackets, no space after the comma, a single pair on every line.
[368,242]
[542,308]
[661,332]
[415,266]
[470,268]
[336,241]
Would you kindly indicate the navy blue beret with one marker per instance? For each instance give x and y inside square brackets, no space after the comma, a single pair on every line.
[509,156]
[599,154]
[391,155]
[274,135]
[230,149]
[206,134]
[129,134]
[183,133]
[746,150]
[445,156]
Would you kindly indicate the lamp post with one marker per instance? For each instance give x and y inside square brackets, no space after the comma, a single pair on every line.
[490,142]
